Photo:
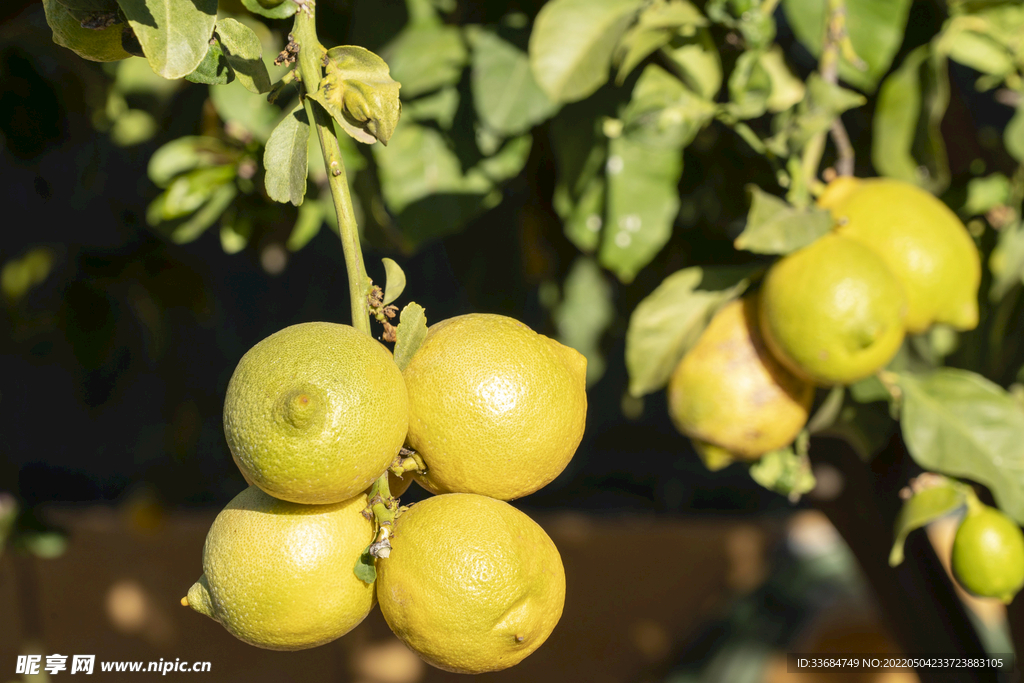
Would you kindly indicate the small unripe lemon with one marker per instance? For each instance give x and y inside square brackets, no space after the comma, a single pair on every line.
[988,554]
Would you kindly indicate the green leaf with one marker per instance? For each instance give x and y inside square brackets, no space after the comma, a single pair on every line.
[750,86]
[425,57]
[1007,260]
[875,27]
[235,231]
[984,194]
[784,471]
[189,191]
[270,8]
[307,225]
[286,156]
[657,25]
[960,424]
[90,6]
[214,69]
[394,281]
[244,53]
[185,154]
[365,569]
[174,34]
[440,107]
[236,105]
[786,89]
[907,143]
[922,509]
[579,193]
[505,96]
[976,50]
[582,219]
[208,213]
[1013,135]
[775,227]
[360,94]
[667,323]
[572,44]
[102,45]
[695,59]
[585,312]
[508,161]
[663,112]
[412,330]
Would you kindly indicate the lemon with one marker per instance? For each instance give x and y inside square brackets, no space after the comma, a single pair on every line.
[103,45]
[988,554]
[832,311]
[280,576]
[494,407]
[472,584]
[922,241]
[315,413]
[730,392]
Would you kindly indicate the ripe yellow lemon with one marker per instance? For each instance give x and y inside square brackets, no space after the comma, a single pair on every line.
[988,554]
[280,575]
[729,391]
[315,413]
[832,312]
[494,407]
[472,584]
[922,241]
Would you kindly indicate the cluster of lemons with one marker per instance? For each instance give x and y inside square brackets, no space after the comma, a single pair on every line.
[834,312]
[317,412]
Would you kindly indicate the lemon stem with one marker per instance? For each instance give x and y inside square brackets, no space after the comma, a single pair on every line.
[311,52]
[384,508]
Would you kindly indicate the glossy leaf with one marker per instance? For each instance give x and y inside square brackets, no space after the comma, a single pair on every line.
[922,509]
[505,96]
[425,57]
[776,227]
[244,53]
[907,143]
[285,158]
[412,330]
[95,45]
[875,28]
[360,94]
[270,8]
[668,322]
[394,281]
[572,44]
[174,34]
[585,312]
[960,424]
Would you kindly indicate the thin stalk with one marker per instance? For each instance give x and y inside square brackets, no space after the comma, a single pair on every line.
[309,58]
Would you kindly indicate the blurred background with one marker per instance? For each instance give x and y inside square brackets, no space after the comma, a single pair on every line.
[118,336]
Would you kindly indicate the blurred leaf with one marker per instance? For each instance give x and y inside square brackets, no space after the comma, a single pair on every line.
[174,34]
[508,161]
[425,57]
[360,94]
[412,330]
[133,127]
[245,54]
[785,472]
[786,89]
[907,143]
[271,8]
[775,227]
[984,194]
[207,214]
[869,390]
[976,50]
[440,106]
[285,158]
[189,191]
[667,323]
[583,218]
[750,86]
[506,97]
[875,27]
[695,59]
[98,46]
[307,225]
[658,23]
[235,231]
[394,281]
[922,509]
[663,111]
[572,44]
[642,203]
[187,153]
[958,423]
[1007,260]
[46,545]
[214,69]
[365,569]
[237,106]
[585,312]
[579,153]
[1013,135]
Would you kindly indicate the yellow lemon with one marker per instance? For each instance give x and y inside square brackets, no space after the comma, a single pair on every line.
[832,312]
[315,413]
[988,554]
[280,575]
[729,391]
[472,584]
[922,241]
[494,407]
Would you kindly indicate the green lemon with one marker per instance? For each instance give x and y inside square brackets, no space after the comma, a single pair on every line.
[315,413]
[988,554]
